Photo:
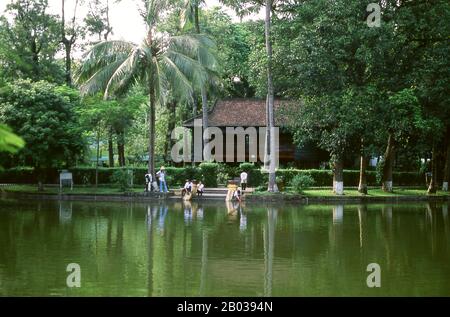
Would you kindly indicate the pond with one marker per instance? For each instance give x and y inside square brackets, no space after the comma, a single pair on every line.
[219,249]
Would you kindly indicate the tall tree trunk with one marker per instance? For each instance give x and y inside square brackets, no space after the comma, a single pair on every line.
[364,160]
[338,175]
[434,162]
[108,23]
[152,109]
[170,128]
[362,187]
[204,112]
[196,19]
[203,90]
[388,165]
[121,148]
[446,176]
[151,122]
[68,48]
[110,148]
[35,56]
[97,158]
[68,42]
[40,177]
[272,187]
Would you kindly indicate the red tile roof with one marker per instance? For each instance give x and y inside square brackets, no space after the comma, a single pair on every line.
[239,112]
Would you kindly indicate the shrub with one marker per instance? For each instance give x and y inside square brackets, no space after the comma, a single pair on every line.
[122,177]
[301,182]
[209,174]
[255,176]
[222,178]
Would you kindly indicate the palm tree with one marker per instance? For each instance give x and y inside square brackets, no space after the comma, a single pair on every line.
[191,13]
[244,7]
[161,63]
[270,147]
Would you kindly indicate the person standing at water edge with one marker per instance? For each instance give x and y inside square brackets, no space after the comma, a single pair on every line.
[162,180]
[148,182]
[244,180]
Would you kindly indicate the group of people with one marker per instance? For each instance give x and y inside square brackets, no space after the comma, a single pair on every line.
[152,185]
[190,187]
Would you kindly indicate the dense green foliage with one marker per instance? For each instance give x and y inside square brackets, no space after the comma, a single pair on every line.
[355,91]
[43,114]
[176,176]
[9,142]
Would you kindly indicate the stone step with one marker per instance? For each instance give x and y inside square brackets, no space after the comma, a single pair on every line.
[211,192]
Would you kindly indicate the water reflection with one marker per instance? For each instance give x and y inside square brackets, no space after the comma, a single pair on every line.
[65,211]
[162,217]
[338,213]
[362,216]
[223,249]
[269,246]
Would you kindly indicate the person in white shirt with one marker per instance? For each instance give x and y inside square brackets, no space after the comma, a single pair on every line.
[187,187]
[148,182]
[237,194]
[200,188]
[162,180]
[244,176]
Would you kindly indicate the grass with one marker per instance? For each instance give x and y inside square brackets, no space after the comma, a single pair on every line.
[313,192]
[77,190]
[327,192]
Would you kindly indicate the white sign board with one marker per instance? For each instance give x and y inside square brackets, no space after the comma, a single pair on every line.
[65,176]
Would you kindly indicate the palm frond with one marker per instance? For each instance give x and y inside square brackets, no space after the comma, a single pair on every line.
[125,72]
[179,83]
[99,80]
[192,68]
[101,55]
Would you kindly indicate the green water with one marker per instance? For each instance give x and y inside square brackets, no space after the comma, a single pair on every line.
[137,249]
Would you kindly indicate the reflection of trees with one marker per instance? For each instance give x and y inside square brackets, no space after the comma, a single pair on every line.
[149,221]
[446,226]
[386,232]
[362,217]
[432,222]
[122,252]
[65,211]
[335,231]
[204,262]
[269,246]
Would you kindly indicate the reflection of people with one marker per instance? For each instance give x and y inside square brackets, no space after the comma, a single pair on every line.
[242,220]
[162,216]
[162,180]
[244,176]
[232,211]
[151,214]
[187,211]
[200,213]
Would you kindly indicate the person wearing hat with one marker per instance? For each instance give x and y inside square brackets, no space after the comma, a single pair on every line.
[162,180]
